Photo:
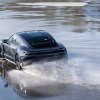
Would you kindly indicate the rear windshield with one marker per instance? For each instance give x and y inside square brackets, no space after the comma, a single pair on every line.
[42,42]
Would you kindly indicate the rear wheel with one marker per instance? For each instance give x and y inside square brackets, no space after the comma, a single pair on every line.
[2,52]
[2,55]
[18,63]
[3,73]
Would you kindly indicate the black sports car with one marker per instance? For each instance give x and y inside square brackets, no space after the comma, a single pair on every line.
[30,45]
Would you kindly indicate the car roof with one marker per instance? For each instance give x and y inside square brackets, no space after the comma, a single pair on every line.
[33,34]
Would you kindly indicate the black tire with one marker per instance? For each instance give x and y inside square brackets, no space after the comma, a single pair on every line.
[3,73]
[2,55]
[2,52]
[18,62]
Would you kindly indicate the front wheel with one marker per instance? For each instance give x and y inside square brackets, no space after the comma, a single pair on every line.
[18,63]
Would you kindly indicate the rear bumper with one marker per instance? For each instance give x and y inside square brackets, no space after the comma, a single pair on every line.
[29,59]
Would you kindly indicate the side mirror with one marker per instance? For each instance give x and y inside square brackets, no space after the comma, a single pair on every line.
[5,41]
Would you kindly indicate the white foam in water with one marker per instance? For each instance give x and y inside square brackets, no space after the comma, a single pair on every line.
[50,78]
[44,77]
[83,71]
[55,4]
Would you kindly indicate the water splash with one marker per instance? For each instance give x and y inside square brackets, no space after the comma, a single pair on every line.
[45,78]
[51,78]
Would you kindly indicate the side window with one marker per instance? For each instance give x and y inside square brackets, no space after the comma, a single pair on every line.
[16,41]
[12,40]
[19,41]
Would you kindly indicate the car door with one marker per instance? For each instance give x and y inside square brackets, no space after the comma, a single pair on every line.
[15,46]
[13,49]
[6,47]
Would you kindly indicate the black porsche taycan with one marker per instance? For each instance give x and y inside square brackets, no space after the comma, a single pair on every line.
[28,46]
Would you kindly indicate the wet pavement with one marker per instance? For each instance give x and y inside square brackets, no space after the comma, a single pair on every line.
[77,27]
